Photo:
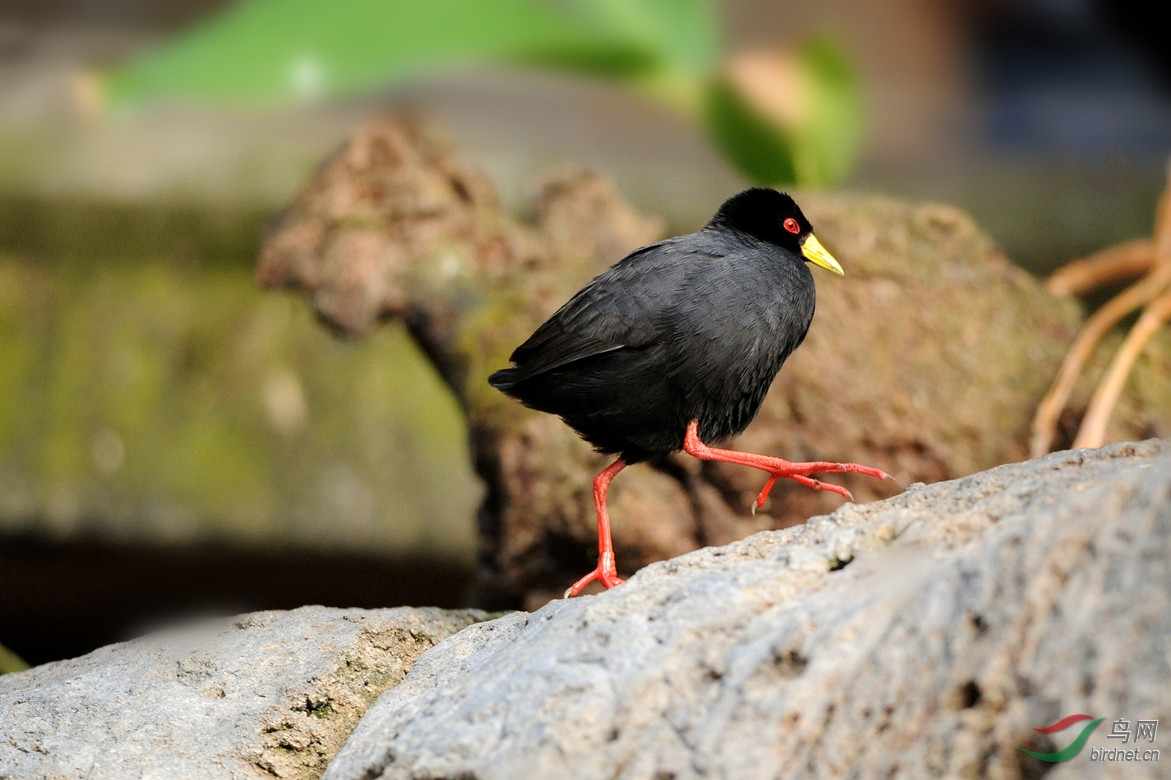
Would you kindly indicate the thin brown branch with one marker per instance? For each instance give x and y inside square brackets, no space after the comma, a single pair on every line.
[1098,325]
[1109,266]
[1152,291]
[1092,432]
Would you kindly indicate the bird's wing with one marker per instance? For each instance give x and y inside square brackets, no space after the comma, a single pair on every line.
[619,309]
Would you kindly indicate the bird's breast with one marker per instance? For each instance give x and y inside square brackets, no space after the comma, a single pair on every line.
[736,335]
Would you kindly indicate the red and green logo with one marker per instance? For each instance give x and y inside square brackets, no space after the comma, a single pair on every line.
[1073,748]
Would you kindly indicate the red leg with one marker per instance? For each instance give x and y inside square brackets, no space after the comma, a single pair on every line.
[776,467]
[606,571]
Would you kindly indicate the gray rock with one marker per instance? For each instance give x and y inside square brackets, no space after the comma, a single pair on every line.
[269,694]
[924,635]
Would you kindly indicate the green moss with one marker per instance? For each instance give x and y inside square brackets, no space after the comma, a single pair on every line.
[152,396]
[368,682]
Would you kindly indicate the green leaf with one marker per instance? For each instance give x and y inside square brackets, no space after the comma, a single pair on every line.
[762,149]
[828,145]
[812,139]
[682,33]
[272,51]
[264,52]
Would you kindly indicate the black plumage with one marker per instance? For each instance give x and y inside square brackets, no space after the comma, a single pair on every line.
[691,328]
[676,345]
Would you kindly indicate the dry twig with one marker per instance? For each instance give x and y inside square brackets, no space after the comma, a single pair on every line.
[1152,259]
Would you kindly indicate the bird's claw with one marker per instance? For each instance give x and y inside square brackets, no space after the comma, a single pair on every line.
[817,484]
[764,491]
[606,573]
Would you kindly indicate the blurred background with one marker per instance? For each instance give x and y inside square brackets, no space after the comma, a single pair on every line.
[174,440]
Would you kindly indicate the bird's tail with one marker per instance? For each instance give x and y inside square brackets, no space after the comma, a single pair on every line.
[503,379]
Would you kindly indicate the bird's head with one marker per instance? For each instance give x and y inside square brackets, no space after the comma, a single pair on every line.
[774,217]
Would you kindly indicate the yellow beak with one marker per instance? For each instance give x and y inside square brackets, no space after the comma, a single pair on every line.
[816,254]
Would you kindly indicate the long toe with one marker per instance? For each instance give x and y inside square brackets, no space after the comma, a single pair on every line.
[817,484]
[809,482]
[603,574]
[867,470]
[579,586]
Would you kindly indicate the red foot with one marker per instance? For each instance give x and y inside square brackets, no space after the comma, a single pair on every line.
[606,573]
[777,467]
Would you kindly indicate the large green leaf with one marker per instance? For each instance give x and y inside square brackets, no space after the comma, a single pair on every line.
[264,52]
[269,51]
[682,34]
[815,142]
[828,145]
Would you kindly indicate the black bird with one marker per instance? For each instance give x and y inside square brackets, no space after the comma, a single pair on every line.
[677,344]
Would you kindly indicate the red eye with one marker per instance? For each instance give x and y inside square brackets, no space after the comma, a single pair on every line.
[792,226]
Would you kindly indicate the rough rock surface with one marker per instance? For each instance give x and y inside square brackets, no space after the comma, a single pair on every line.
[924,635]
[927,360]
[267,694]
